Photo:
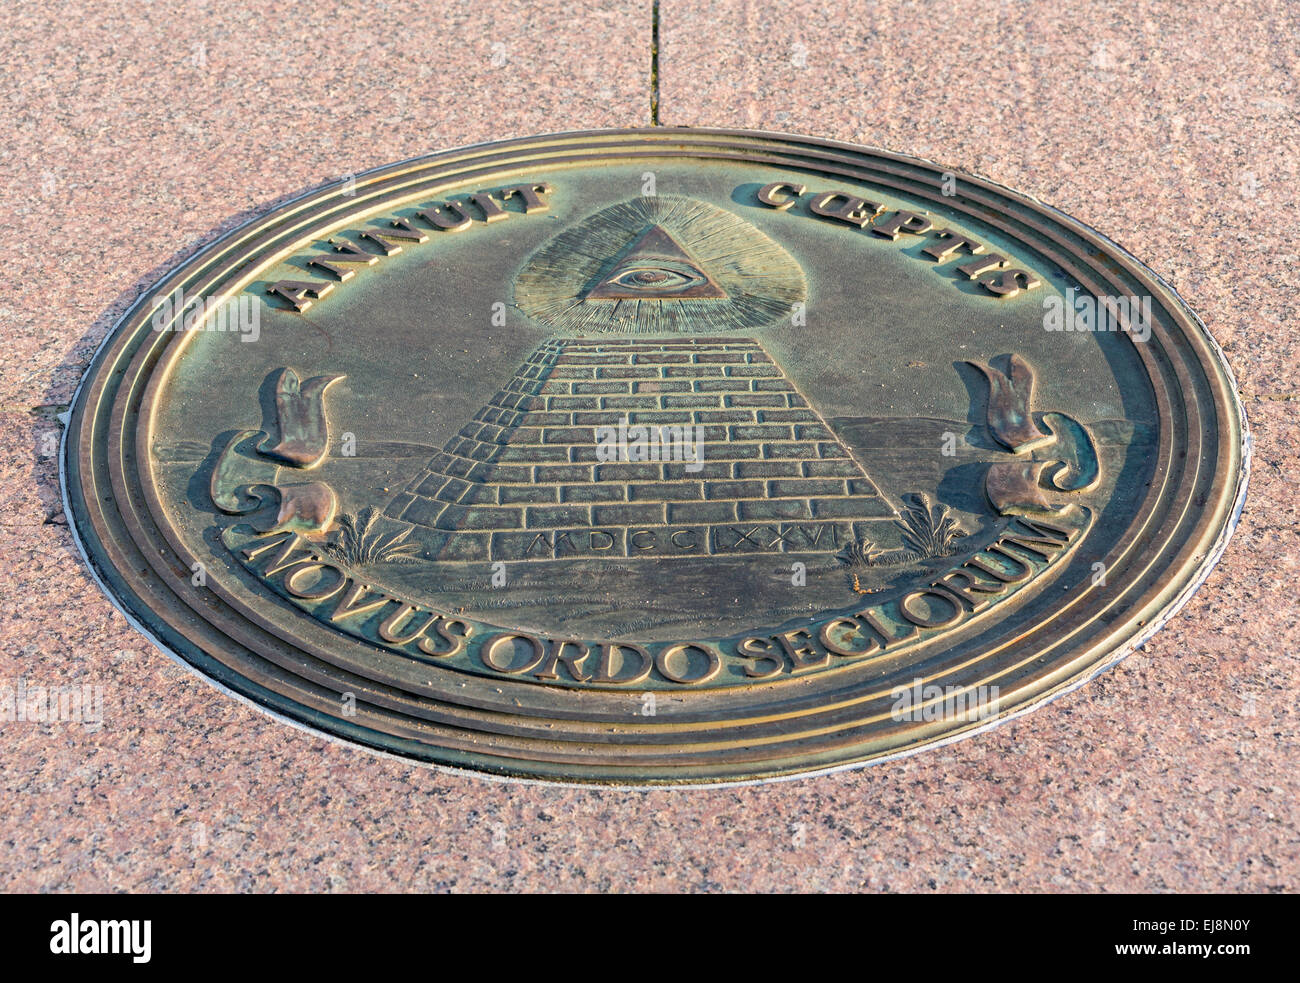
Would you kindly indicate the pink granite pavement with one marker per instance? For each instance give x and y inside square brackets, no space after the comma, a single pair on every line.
[134,132]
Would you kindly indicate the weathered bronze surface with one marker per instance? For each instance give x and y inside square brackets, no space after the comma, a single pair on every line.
[661,456]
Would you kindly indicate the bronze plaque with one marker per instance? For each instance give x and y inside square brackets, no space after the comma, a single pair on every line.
[655,456]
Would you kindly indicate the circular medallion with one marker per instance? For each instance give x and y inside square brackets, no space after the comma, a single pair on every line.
[655,456]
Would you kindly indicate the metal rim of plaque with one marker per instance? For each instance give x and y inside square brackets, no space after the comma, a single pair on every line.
[655,456]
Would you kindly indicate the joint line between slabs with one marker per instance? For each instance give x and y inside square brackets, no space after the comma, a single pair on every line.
[654,63]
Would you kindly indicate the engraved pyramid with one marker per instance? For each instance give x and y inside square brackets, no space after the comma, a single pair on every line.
[524,479]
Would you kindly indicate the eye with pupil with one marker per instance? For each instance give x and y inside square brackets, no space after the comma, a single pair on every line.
[658,278]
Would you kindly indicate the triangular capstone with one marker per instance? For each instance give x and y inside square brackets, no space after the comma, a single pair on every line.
[656,267]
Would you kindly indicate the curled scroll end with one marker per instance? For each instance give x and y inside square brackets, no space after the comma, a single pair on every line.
[1010,396]
[308,509]
[1013,486]
[238,468]
[1079,467]
[300,420]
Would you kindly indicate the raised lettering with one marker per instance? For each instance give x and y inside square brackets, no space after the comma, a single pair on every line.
[760,650]
[941,252]
[802,656]
[912,223]
[573,660]
[853,210]
[605,672]
[297,292]
[488,653]
[347,252]
[769,194]
[531,195]
[663,662]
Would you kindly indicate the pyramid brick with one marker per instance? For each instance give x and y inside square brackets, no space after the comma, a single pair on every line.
[524,479]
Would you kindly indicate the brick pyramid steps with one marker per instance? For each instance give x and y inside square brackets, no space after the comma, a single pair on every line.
[525,480]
